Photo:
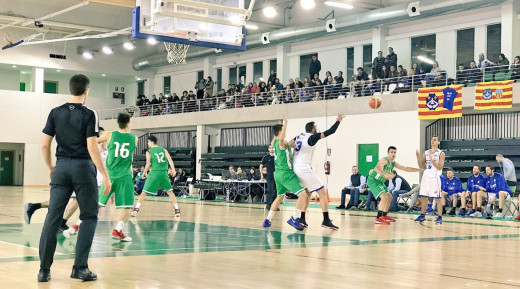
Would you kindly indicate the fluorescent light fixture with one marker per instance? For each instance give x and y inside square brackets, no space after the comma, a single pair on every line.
[151,40]
[251,26]
[129,45]
[103,74]
[338,5]
[261,79]
[308,4]
[14,66]
[425,59]
[23,72]
[107,50]
[88,55]
[269,12]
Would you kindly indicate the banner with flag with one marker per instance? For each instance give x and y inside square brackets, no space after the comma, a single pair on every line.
[494,94]
[440,102]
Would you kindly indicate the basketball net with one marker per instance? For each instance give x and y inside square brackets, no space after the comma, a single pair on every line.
[176,52]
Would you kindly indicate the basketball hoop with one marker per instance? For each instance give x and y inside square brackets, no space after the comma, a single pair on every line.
[176,52]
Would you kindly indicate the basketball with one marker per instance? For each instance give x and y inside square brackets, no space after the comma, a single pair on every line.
[375,102]
[470,205]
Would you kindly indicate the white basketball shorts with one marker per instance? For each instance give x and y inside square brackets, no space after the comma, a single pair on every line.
[430,187]
[308,178]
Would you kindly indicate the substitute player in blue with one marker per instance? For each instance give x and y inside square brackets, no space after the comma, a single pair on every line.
[473,186]
[451,186]
[496,188]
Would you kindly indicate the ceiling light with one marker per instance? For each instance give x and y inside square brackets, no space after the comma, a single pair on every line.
[251,26]
[107,50]
[103,74]
[88,55]
[338,5]
[58,70]
[308,4]
[23,72]
[151,40]
[14,66]
[269,12]
[425,59]
[129,45]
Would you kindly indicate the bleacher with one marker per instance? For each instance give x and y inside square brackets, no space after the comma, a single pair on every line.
[243,156]
[462,155]
[182,157]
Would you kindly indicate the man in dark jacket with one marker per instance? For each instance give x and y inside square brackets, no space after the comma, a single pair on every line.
[315,67]
[391,58]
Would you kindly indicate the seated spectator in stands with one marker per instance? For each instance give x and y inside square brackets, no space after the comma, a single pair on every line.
[327,75]
[277,84]
[461,77]
[306,80]
[316,81]
[432,74]
[392,75]
[483,63]
[515,68]
[473,73]
[385,73]
[401,72]
[154,100]
[405,83]
[256,189]
[440,79]
[495,188]
[361,74]
[184,96]
[232,173]
[502,64]
[417,69]
[307,93]
[254,88]
[451,186]
[263,87]
[339,78]
[397,186]
[291,84]
[355,187]
[272,76]
[140,100]
[192,95]
[289,96]
[391,58]
[253,175]
[377,66]
[180,176]
[475,181]
[298,83]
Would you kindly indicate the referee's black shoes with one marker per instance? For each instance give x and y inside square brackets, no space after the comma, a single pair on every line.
[44,275]
[83,273]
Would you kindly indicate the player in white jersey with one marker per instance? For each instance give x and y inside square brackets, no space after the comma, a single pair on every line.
[432,161]
[304,147]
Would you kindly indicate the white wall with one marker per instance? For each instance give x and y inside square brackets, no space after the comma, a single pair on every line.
[25,114]
[9,80]
[403,133]
[333,61]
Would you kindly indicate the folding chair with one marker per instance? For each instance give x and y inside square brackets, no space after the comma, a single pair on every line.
[184,188]
[406,197]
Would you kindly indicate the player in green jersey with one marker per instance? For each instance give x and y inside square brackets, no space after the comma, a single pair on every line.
[120,149]
[376,183]
[286,180]
[157,159]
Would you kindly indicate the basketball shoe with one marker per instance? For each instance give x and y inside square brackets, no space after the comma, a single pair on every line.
[119,235]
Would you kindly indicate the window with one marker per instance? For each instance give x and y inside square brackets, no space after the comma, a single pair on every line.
[166,84]
[200,75]
[465,46]
[424,46]
[219,79]
[367,58]
[50,86]
[494,45]
[233,75]
[140,87]
[242,74]
[258,71]
[350,63]
[272,65]
[305,63]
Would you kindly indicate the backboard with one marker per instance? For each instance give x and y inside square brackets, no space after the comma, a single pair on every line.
[218,24]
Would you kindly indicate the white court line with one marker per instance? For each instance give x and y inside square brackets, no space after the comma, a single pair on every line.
[99,241]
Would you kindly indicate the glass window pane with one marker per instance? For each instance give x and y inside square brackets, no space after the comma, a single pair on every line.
[272,65]
[424,46]
[350,63]
[305,63]
[219,79]
[166,84]
[242,75]
[200,75]
[494,39]
[465,46]
[233,75]
[258,68]
[367,58]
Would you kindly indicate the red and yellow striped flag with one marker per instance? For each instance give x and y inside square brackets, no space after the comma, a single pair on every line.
[494,94]
[440,102]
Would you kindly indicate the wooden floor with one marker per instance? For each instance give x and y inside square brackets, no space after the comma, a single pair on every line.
[218,245]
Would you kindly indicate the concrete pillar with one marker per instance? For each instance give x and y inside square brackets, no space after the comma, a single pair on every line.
[282,63]
[378,40]
[480,40]
[510,29]
[209,62]
[225,77]
[266,71]
[249,73]
[445,51]
[358,58]
[38,79]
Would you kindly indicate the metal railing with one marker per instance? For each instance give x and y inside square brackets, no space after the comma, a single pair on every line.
[402,84]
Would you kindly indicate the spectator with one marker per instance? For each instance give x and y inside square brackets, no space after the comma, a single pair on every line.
[483,62]
[272,77]
[496,188]
[199,87]
[253,175]
[473,74]
[298,83]
[361,74]
[508,170]
[515,68]
[451,186]
[232,173]
[255,88]
[154,100]
[417,69]
[384,73]
[391,58]
[401,72]
[377,66]
[339,78]
[209,85]
[461,77]
[326,81]
[140,100]
[315,66]
[397,186]
[475,181]
[263,87]
[316,81]
[191,95]
[432,74]
[307,93]
[291,84]
[355,187]
[502,63]
[277,84]
[393,74]
[440,79]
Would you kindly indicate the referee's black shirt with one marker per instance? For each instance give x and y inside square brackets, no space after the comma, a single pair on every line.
[72,124]
[268,161]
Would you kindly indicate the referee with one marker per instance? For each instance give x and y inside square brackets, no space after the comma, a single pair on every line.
[268,163]
[76,129]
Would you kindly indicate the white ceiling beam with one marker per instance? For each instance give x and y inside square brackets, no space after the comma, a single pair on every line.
[55,24]
[74,7]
